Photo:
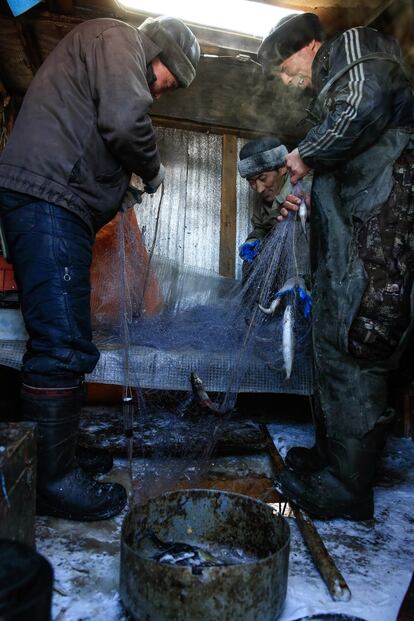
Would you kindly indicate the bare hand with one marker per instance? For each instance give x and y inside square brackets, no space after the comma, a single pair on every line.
[296,166]
[291,204]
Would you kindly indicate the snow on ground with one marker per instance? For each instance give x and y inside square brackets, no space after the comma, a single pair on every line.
[376,557]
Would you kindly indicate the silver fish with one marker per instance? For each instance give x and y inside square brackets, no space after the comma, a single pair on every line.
[272,308]
[288,339]
[289,284]
[201,395]
[181,553]
[303,213]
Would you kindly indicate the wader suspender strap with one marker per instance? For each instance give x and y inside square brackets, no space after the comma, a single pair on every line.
[341,72]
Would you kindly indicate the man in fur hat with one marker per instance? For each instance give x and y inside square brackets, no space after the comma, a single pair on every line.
[83,128]
[361,152]
[262,163]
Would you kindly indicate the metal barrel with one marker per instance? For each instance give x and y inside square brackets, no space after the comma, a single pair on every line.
[248,591]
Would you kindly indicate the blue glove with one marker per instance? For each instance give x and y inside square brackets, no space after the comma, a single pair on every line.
[249,250]
[306,298]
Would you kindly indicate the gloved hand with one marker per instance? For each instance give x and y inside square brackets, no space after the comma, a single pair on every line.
[249,250]
[152,186]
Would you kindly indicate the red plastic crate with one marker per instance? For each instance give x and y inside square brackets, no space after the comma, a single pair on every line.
[7,282]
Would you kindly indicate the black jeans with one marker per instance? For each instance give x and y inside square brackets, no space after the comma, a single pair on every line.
[51,251]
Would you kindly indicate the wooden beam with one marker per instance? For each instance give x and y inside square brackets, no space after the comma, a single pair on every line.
[378,11]
[57,18]
[29,43]
[228,215]
[60,6]
[176,123]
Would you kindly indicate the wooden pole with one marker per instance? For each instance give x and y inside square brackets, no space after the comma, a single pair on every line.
[228,207]
[325,564]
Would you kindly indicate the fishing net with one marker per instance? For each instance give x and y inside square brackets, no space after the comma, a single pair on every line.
[162,325]
[161,313]
[173,319]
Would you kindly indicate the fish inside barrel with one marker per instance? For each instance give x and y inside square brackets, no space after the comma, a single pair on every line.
[183,554]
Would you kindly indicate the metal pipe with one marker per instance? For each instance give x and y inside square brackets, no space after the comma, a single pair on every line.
[325,564]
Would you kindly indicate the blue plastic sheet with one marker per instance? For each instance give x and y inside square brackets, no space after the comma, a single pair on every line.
[21,6]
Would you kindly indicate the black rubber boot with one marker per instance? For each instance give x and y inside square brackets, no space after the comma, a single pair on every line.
[344,488]
[94,462]
[10,386]
[303,460]
[306,460]
[63,488]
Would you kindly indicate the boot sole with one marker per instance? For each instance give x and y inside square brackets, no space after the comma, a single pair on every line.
[364,511]
[43,508]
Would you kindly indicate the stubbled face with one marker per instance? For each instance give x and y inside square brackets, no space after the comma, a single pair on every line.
[296,71]
[268,184]
[165,79]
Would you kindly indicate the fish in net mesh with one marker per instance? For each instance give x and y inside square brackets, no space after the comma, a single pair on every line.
[165,324]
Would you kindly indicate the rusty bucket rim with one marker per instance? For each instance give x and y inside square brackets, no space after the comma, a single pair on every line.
[214,567]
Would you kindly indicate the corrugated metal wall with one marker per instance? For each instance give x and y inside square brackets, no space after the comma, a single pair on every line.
[189,222]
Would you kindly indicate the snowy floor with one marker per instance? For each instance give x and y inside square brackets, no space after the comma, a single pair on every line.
[376,557]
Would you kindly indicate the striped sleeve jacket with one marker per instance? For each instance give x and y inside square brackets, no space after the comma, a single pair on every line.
[368,98]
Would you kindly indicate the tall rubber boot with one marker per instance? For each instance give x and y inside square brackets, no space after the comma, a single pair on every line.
[344,488]
[93,462]
[302,459]
[63,489]
[10,386]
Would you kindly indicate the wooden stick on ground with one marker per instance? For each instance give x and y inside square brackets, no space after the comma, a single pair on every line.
[333,578]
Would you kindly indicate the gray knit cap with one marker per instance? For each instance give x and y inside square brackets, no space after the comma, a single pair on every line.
[261,155]
[180,50]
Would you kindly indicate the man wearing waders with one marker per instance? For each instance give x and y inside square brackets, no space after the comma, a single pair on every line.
[83,128]
[362,249]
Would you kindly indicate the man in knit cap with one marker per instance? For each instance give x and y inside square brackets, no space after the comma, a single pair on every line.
[83,128]
[262,163]
[361,151]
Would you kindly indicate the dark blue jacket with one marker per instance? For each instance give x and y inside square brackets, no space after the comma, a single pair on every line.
[370,97]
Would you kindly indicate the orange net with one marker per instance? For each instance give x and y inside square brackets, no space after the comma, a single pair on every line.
[109,283]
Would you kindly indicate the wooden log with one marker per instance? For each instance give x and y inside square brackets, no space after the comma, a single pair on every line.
[324,563]
[159,432]
[17,482]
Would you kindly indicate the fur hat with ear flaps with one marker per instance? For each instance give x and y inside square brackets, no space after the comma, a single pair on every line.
[180,49]
[290,35]
[261,155]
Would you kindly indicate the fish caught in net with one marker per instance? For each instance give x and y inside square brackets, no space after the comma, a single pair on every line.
[179,328]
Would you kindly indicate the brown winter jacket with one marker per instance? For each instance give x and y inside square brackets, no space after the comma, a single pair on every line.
[83,126]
